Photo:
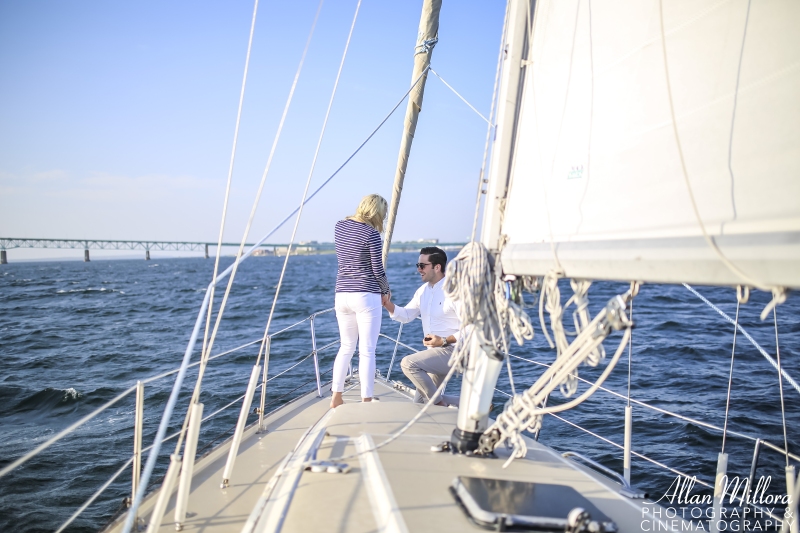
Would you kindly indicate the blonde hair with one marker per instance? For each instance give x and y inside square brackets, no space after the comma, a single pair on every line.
[371,210]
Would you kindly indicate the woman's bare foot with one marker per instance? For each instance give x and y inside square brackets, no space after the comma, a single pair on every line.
[336,400]
[366,399]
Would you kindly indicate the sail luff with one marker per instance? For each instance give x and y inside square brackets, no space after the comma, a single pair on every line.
[511,83]
[426,39]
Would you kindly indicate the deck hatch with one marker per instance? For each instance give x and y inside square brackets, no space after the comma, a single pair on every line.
[505,505]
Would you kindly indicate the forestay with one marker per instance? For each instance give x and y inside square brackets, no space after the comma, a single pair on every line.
[602,180]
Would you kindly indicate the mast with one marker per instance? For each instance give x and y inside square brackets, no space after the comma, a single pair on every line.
[426,39]
[482,369]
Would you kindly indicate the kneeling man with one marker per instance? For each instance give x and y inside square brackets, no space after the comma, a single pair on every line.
[427,369]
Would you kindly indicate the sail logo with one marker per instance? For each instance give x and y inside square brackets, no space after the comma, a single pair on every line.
[575,172]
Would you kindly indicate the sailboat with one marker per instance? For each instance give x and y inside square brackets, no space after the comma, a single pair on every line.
[641,142]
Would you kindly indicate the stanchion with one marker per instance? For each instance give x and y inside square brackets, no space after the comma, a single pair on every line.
[719,494]
[237,436]
[626,460]
[261,427]
[316,360]
[394,353]
[164,494]
[189,451]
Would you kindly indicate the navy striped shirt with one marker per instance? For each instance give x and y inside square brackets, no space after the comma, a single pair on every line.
[358,255]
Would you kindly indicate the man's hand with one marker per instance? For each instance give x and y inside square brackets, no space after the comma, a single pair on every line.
[432,340]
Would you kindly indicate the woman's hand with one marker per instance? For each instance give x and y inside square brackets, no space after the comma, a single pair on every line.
[386,299]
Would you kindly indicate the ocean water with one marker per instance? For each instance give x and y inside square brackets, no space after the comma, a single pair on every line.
[73,335]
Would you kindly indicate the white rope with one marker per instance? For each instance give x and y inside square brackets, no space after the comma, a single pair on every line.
[308,183]
[581,318]
[484,309]
[551,301]
[153,455]
[761,350]
[525,410]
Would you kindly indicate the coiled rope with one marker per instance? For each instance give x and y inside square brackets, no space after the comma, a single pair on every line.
[484,309]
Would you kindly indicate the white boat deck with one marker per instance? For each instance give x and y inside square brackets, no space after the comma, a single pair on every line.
[401,487]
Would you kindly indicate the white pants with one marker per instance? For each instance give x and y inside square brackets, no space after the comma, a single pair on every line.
[359,317]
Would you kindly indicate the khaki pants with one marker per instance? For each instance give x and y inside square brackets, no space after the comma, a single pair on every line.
[427,370]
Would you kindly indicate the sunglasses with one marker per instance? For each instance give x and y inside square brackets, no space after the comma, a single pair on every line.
[421,266]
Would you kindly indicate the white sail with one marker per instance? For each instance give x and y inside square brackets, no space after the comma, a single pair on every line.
[597,187]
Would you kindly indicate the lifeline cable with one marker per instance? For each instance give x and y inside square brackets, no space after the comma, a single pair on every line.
[761,350]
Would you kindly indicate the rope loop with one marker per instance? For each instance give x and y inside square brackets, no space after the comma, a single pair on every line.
[778,297]
[581,318]
[634,290]
[742,294]
[425,46]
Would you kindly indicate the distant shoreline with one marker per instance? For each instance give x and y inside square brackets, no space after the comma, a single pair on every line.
[138,257]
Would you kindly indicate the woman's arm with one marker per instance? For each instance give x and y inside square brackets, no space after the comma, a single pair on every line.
[375,253]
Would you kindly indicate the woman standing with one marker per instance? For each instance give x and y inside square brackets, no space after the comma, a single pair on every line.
[361,288]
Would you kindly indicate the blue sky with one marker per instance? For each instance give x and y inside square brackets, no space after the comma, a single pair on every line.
[118,118]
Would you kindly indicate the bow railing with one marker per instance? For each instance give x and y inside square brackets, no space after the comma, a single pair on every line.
[134,462]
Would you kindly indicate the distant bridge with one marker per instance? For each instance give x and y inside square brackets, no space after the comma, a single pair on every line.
[302,248]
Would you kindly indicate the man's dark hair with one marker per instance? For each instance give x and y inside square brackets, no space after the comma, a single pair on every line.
[435,255]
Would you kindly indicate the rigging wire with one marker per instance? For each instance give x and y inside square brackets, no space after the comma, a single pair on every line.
[487,120]
[305,191]
[185,364]
[266,169]
[153,455]
[780,385]
[730,378]
[206,350]
[761,350]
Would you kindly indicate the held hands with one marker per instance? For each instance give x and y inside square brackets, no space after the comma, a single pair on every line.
[386,301]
